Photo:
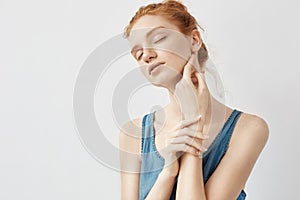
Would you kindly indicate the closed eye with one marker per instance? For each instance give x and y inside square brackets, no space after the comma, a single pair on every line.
[138,54]
[160,39]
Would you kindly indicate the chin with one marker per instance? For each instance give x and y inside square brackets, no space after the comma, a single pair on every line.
[166,82]
[159,85]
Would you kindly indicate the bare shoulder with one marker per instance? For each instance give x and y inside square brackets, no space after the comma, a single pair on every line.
[250,123]
[251,128]
[130,136]
[248,139]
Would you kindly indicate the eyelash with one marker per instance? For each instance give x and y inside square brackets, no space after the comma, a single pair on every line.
[138,58]
[160,39]
[157,41]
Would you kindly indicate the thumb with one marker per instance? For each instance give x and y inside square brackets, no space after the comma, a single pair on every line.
[189,68]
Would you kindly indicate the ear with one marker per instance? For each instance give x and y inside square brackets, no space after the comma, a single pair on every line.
[196,41]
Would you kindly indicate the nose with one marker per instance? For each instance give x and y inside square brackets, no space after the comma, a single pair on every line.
[149,54]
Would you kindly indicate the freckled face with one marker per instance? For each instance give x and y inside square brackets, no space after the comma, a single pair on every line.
[155,41]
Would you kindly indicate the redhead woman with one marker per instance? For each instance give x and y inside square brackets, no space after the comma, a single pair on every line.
[195,147]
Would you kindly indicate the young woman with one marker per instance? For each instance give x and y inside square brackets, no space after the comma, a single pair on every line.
[195,147]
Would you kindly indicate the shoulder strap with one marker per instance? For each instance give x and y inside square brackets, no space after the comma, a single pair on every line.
[145,132]
[212,160]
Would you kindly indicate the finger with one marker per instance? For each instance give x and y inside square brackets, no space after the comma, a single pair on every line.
[189,68]
[201,81]
[187,72]
[189,141]
[187,122]
[186,148]
[191,133]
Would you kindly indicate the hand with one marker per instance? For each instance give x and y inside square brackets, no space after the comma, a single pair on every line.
[191,91]
[179,140]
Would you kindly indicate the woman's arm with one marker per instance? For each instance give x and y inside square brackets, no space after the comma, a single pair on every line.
[163,187]
[130,145]
[231,175]
[190,179]
[130,161]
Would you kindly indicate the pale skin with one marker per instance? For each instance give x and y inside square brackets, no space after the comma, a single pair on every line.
[181,130]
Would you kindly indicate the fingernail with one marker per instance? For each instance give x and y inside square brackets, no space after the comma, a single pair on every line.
[206,136]
[203,149]
[200,154]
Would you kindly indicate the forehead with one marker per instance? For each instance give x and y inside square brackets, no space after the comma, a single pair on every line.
[148,22]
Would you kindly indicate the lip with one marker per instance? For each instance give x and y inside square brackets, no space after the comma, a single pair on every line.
[154,65]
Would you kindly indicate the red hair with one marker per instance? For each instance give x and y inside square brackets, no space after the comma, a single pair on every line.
[175,12]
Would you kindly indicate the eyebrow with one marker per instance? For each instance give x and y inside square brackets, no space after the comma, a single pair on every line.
[153,30]
[148,34]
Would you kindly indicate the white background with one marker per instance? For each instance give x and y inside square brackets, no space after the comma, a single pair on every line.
[254,44]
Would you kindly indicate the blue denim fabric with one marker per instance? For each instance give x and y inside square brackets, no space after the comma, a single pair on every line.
[152,162]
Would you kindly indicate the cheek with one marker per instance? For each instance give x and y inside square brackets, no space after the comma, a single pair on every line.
[144,70]
[174,61]
[178,48]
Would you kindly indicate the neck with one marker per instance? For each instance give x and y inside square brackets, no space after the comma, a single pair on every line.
[172,115]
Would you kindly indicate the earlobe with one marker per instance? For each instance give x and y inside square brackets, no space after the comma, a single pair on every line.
[196,41]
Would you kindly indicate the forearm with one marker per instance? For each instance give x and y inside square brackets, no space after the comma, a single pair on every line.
[190,184]
[162,188]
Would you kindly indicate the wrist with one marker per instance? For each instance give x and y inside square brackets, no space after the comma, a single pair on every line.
[169,174]
[190,159]
[188,156]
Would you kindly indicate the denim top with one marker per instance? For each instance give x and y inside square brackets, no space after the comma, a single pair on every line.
[152,162]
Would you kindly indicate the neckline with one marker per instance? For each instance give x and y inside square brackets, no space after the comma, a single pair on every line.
[219,134]
[210,146]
